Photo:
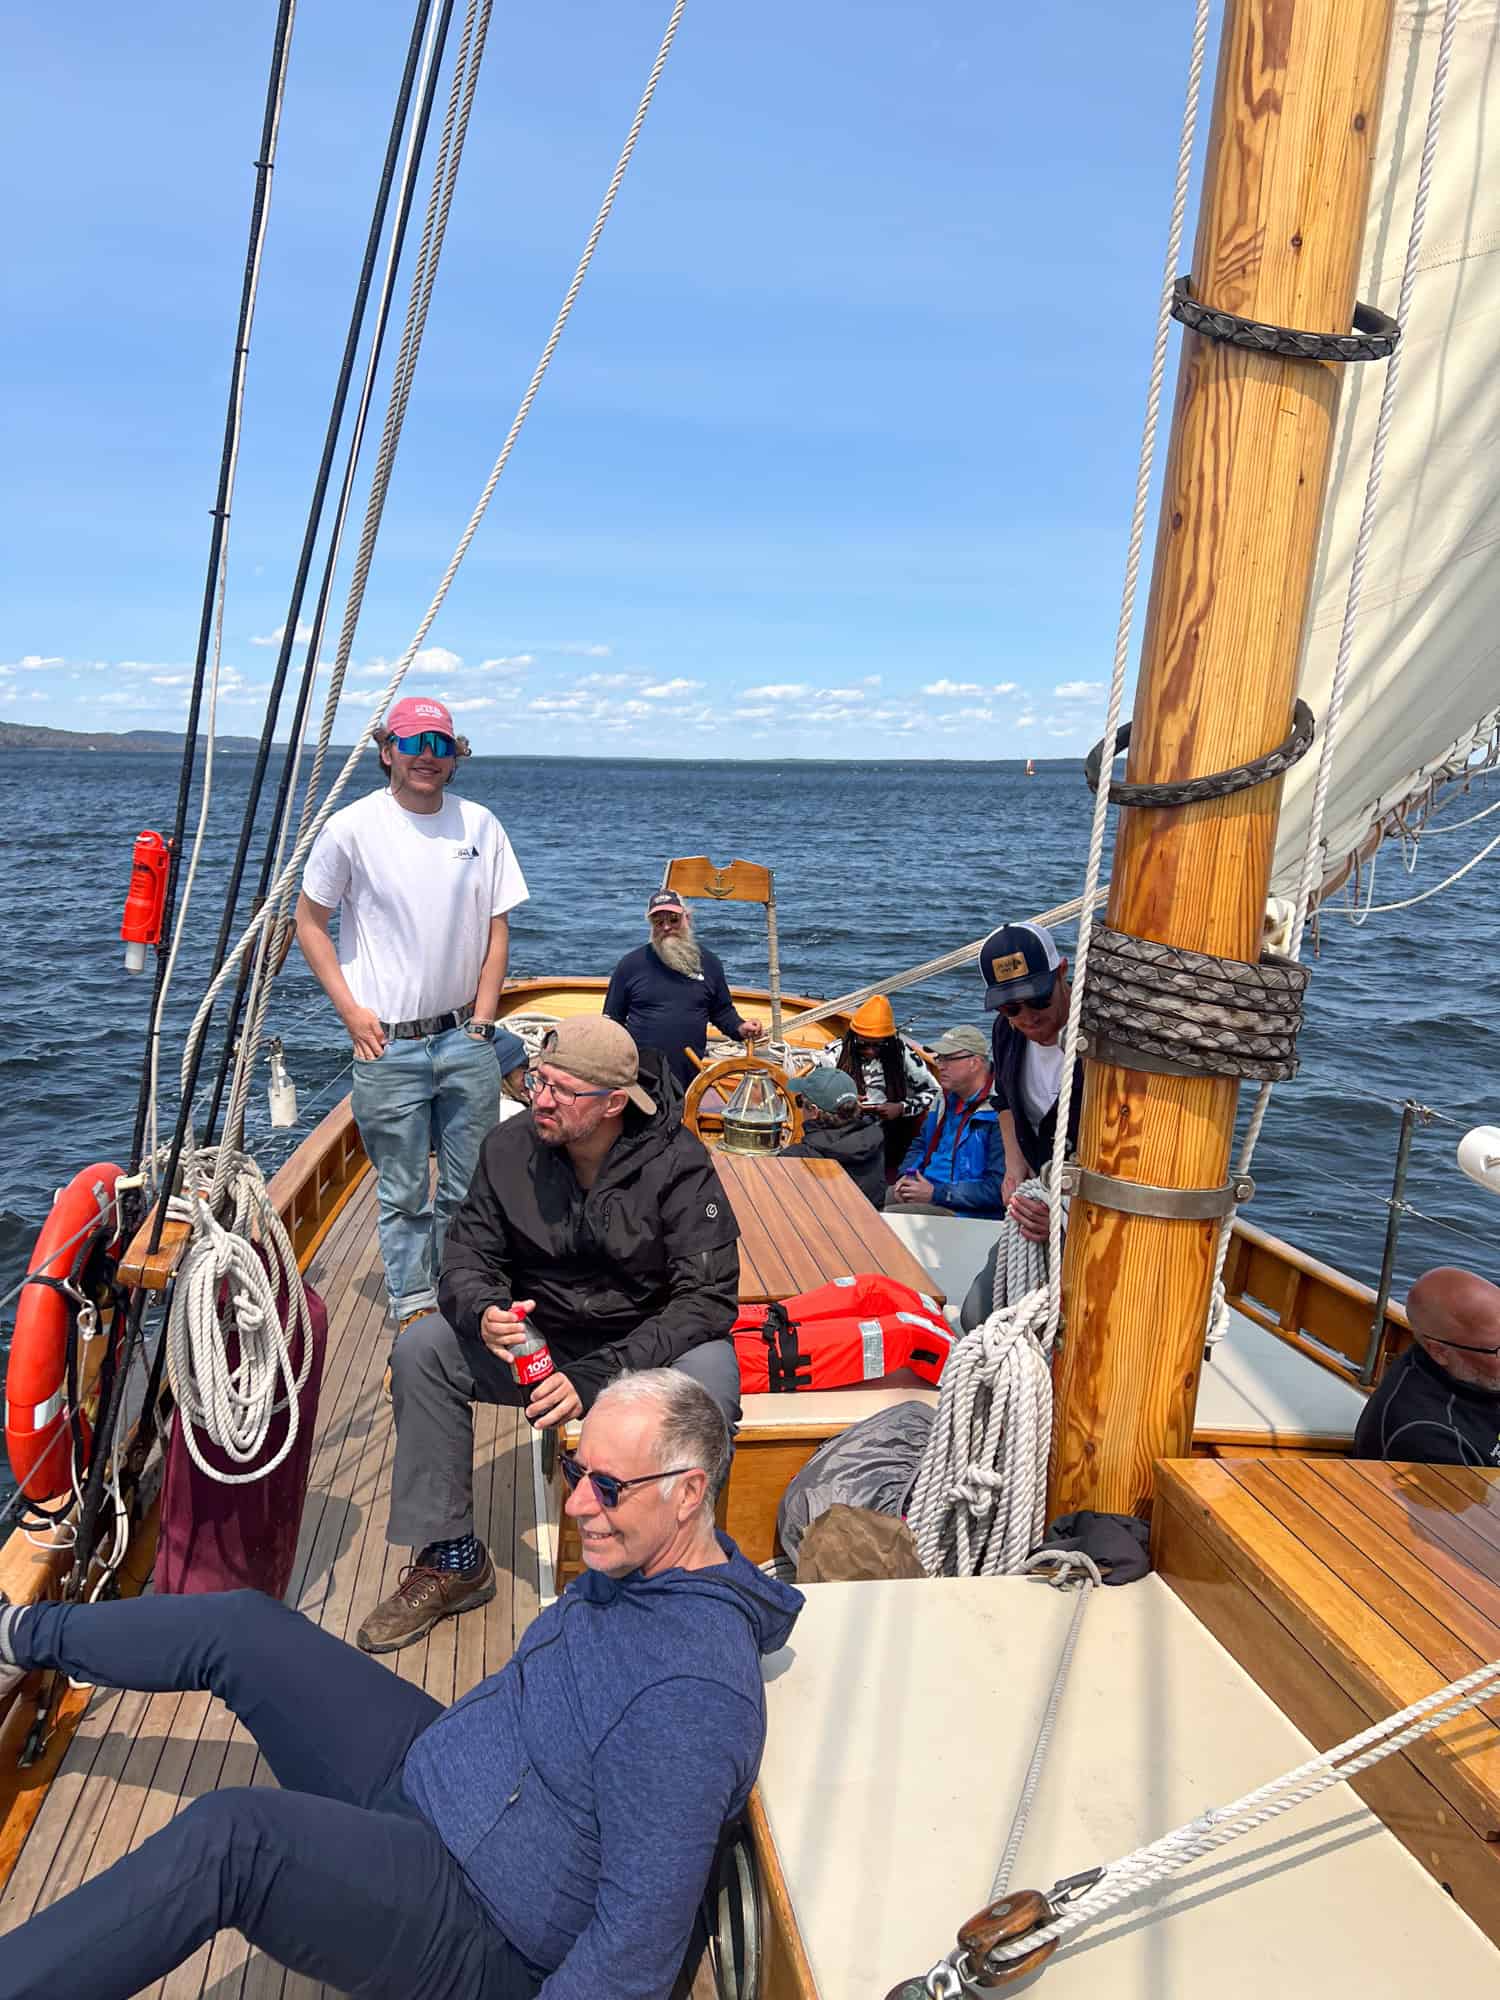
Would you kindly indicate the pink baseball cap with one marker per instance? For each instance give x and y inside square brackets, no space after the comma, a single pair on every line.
[416,713]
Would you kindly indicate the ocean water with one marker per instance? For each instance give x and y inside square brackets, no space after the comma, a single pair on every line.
[878,866]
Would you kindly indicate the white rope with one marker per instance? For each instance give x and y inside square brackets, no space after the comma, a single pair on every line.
[979,1504]
[179,927]
[1162,1859]
[226,1296]
[1123,630]
[1312,855]
[310,833]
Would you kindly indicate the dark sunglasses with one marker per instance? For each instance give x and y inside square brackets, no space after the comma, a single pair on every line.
[1010,1008]
[608,1490]
[430,739]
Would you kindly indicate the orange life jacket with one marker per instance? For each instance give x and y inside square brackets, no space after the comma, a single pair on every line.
[853,1330]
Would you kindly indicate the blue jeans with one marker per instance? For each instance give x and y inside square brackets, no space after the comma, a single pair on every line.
[441,1095]
[335,1875]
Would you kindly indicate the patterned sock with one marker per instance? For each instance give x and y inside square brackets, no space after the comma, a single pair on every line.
[460,1557]
[9,1616]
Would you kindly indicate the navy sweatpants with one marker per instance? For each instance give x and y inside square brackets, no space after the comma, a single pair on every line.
[335,1875]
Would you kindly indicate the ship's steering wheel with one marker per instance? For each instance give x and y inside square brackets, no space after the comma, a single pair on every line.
[718,1082]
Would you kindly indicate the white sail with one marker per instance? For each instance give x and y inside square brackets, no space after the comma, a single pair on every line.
[1423,697]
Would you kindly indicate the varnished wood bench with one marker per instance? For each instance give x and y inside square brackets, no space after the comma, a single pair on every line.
[1348,1589]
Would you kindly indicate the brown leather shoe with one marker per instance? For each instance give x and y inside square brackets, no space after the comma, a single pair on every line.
[420,1600]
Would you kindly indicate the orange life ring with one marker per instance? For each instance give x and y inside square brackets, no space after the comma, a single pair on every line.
[38,1436]
[855,1329]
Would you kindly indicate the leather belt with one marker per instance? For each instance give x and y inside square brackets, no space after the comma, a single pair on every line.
[429,1024]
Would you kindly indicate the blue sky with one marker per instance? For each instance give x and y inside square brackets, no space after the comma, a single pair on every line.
[835,458]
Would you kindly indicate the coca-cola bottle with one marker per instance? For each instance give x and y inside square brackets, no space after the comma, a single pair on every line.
[530,1356]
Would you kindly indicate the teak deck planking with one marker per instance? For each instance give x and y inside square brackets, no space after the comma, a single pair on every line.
[1349,1589]
[803,1222]
[136,1759]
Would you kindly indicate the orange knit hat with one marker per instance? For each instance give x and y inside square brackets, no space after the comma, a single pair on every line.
[874,1020]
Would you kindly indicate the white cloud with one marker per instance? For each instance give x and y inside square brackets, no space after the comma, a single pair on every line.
[663,690]
[299,638]
[636,709]
[466,707]
[364,696]
[558,704]
[578,650]
[973,715]
[508,663]
[612,680]
[777,691]
[839,694]
[755,714]
[1078,690]
[173,680]
[1025,721]
[1006,687]
[950,690]
[437,660]
[871,681]
[33,663]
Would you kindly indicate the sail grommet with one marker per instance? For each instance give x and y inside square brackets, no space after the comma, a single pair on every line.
[1215,784]
[1374,337]
[1146,1198]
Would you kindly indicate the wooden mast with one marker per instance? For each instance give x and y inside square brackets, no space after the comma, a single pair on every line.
[1286,186]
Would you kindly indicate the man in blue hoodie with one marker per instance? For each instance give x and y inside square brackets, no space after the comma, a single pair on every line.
[551,1833]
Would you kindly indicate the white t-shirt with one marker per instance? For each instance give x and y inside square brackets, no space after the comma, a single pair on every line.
[1041,1079]
[415,893]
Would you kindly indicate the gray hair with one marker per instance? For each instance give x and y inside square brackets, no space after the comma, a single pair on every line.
[692,1430]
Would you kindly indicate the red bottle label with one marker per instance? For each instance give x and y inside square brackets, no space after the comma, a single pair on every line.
[533,1367]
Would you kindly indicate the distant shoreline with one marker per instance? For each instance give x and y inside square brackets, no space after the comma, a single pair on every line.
[163,742]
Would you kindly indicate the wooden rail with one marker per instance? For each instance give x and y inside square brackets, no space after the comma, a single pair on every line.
[1325,1315]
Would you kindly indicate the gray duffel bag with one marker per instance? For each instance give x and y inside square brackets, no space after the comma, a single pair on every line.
[872,1464]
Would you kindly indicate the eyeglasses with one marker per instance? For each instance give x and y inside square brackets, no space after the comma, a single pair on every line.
[608,1490]
[666,916]
[534,1083]
[959,1056]
[430,739]
[1038,1005]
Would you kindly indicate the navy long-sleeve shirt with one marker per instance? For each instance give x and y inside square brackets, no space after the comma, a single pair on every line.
[670,1011]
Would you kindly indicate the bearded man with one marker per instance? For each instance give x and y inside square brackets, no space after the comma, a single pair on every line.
[596,1221]
[665,992]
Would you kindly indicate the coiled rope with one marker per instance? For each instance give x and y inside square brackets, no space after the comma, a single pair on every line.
[227,1297]
[979,1504]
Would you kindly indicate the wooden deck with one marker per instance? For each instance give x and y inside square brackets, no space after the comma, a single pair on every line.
[1348,1589]
[137,1758]
[803,1222]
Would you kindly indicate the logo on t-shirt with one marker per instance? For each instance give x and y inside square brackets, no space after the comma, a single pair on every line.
[468,852]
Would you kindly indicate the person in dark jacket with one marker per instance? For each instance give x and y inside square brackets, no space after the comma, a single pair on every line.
[1439,1404]
[1026,987]
[549,1833]
[667,991]
[834,1127]
[597,1222]
[956,1163]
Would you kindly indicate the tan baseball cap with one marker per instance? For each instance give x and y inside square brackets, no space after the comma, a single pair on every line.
[598,1051]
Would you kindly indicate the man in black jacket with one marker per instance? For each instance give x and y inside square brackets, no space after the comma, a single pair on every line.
[1440,1403]
[597,1222]
[665,993]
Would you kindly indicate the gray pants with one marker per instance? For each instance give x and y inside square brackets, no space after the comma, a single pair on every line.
[979,1302]
[436,1378]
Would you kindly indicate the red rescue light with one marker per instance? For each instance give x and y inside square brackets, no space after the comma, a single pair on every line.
[141,924]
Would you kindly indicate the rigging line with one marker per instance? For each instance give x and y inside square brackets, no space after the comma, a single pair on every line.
[271,953]
[444,182]
[260,209]
[1432,827]
[1410,902]
[434,40]
[197,1033]
[258,923]
[1123,630]
[1487,1243]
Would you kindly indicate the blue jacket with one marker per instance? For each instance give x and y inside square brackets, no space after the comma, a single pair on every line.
[959,1150]
[583,1788]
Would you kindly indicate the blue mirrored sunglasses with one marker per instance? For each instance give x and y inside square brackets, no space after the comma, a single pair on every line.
[608,1490]
[430,739]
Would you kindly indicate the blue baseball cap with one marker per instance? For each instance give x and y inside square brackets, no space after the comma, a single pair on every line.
[1018,962]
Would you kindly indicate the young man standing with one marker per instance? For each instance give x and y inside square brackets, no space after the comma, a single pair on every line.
[423,884]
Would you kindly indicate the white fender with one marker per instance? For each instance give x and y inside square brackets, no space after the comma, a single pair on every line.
[1479,1156]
